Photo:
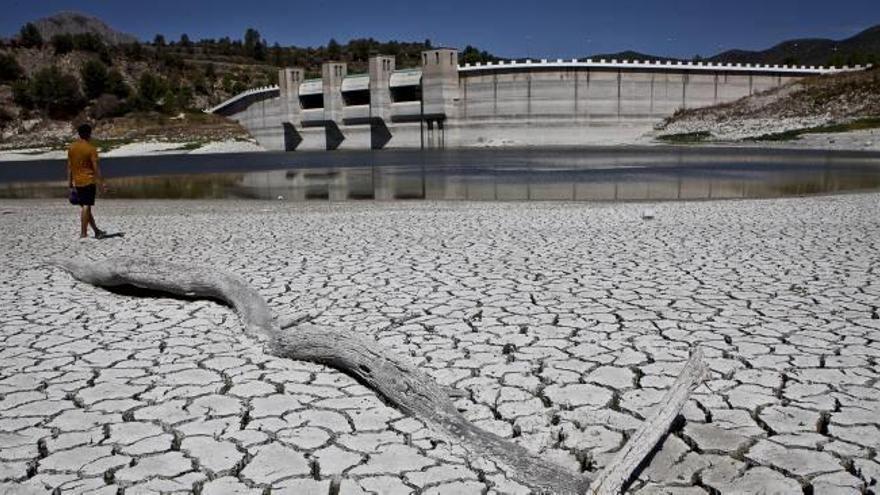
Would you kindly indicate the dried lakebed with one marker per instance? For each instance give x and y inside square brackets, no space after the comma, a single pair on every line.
[562,324]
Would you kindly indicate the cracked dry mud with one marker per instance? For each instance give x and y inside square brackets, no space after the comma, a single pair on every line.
[562,325]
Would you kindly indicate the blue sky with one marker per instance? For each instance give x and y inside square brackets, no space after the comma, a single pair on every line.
[509,28]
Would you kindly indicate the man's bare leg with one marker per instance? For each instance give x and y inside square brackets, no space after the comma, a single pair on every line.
[85,217]
[92,221]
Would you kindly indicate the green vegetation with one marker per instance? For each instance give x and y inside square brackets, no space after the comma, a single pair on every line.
[471,55]
[781,136]
[856,125]
[59,95]
[9,69]
[116,86]
[151,92]
[5,118]
[686,138]
[103,145]
[193,145]
[51,91]
[853,59]
[254,46]
[94,78]
[356,52]
[62,44]
[86,42]
[254,49]
[30,36]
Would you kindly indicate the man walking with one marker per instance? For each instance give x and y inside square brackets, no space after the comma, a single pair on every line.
[83,176]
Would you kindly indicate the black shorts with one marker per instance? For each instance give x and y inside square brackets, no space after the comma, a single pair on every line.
[85,196]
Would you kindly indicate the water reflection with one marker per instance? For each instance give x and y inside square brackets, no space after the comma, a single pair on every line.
[502,183]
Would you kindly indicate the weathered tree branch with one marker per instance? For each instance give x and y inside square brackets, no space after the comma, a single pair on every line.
[617,473]
[393,378]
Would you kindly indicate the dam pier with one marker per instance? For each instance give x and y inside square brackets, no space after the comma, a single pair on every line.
[446,105]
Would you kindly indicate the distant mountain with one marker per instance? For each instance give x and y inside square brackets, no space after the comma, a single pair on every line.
[815,51]
[77,23]
[630,55]
[859,49]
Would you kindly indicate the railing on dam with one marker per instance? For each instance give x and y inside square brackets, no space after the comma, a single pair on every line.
[658,65]
[243,95]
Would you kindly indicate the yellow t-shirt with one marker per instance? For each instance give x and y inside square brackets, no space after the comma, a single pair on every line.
[82,160]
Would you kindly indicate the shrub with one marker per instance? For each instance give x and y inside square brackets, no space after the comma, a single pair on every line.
[471,55]
[134,51]
[94,77]
[116,85]
[172,61]
[210,72]
[30,36]
[62,43]
[228,83]
[200,84]
[5,117]
[21,94]
[56,93]
[89,42]
[152,91]
[183,99]
[86,42]
[9,68]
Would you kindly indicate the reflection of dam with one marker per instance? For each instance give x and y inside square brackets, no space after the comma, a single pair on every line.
[444,105]
[548,184]
[334,184]
[619,173]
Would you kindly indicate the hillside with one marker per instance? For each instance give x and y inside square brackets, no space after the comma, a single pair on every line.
[859,49]
[72,67]
[828,104]
[630,55]
[863,48]
[44,89]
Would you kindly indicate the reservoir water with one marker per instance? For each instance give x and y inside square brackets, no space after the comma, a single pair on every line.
[570,174]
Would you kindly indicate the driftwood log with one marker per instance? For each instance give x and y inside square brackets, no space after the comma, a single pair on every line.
[395,379]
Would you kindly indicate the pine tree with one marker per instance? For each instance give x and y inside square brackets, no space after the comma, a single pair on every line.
[62,43]
[94,77]
[117,86]
[151,91]
[56,93]
[252,40]
[30,36]
[334,51]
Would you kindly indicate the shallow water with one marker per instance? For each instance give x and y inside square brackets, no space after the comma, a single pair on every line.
[598,174]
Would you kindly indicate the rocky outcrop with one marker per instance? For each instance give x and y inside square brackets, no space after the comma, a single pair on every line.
[77,23]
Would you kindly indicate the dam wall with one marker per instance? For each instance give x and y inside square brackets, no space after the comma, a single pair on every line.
[445,105]
[586,105]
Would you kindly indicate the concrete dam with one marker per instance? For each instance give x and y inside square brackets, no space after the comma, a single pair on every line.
[446,105]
